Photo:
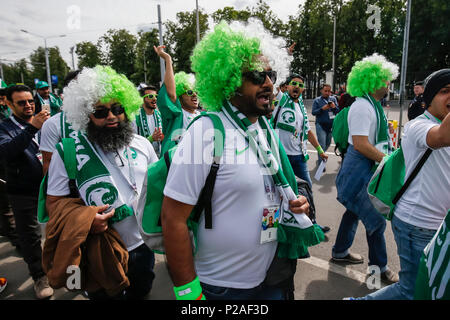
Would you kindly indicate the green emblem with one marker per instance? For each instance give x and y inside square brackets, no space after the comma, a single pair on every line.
[288,116]
[101,193]
[133,154]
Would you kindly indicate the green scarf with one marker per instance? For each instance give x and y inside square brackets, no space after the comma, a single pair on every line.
[66,128]
[142,123]
[382,142]
[284,123]
[55,104]
[94,182]
[5,112]
[296,232]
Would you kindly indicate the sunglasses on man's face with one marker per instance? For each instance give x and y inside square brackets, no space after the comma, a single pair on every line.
[297,84]
[151,96]
[190,93]
[259,77]
[23,103]
[102,112]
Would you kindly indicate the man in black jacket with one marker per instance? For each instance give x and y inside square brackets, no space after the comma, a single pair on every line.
[417,105]
[19,149]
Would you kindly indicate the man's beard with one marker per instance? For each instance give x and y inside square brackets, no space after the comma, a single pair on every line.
[150,106]
[111,139]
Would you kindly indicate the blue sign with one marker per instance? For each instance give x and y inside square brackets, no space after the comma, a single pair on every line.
[36,81]
[55,80]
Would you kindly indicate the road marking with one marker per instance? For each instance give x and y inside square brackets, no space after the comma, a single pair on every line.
[338,269]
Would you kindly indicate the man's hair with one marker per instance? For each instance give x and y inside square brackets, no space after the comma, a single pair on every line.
[69,77]
[17,88]
[293,76]
[149,87]
[325,85]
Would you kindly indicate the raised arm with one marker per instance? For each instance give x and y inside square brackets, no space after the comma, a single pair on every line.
[169,78]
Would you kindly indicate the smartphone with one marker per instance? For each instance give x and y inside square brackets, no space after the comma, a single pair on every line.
[46,107]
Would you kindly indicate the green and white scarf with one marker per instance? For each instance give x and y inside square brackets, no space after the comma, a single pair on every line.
[94,181]
[296,232]
[55,103]
[66,128]
[382,141]
[142,123]
[285,124]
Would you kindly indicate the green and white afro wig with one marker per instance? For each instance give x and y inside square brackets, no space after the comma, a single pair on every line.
[221,57]
[184,82]
[98,84]
[370,74]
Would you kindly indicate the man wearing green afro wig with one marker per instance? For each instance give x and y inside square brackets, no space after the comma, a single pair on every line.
[234,80]
[177,102]
[369,142]
[107,164]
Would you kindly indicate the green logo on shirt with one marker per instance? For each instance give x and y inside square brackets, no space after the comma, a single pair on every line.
[288,116]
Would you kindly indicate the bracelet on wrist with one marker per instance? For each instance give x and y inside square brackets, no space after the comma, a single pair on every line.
[189,291]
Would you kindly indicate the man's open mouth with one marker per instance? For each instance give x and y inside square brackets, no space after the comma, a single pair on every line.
[264,98]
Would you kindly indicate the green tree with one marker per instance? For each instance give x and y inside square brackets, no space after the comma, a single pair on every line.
[181,37]
[229,14]
[18,72]
[145,52]
[120,51]
[89,54]
[58,66]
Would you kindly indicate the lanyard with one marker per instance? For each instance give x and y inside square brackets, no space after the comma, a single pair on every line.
[23,128]
[439,121]
[131,171]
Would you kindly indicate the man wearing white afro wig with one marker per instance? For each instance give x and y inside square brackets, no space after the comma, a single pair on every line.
[111,165]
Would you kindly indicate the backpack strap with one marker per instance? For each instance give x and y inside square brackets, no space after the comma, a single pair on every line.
[412,175]
[69,157]
[204,201]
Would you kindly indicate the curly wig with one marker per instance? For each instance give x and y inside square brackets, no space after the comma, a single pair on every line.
[370,74]
[225,53]
[98,84]
[184,82]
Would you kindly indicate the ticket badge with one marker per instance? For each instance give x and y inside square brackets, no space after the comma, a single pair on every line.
[269,225]
[331,115]
[40,158]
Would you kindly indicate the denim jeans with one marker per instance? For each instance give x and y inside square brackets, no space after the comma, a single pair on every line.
[140,273]
[300,167]
[260,292]
[411,241]
[324,138]
[351,184]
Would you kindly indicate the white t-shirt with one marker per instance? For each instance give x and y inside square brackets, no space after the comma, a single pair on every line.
[427,200]
[51,133]
[230,254]
[58,182]
[362,120]
[291,142]
[188,117]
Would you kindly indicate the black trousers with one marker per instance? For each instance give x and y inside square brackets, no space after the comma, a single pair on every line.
[28,231]
[7,223]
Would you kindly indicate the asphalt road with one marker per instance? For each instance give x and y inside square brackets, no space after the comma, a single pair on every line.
[317,278]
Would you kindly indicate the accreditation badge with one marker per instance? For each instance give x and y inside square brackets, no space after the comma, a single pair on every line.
[269,224]
[40,158]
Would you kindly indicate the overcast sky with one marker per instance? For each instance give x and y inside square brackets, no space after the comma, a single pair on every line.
[87,20]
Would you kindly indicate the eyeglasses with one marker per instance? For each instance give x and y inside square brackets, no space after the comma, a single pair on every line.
[190,93]
[297,84]
[275,103]
[23,103]
[102,113]
[151,96]
[259,77]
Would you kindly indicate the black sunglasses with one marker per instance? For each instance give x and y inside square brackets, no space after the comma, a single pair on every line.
[23,103]
[259,77]
[190,93]
[102,113]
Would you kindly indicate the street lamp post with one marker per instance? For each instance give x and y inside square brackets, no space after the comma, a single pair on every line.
[47,64]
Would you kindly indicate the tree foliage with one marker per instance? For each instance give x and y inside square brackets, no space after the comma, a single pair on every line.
[89,54]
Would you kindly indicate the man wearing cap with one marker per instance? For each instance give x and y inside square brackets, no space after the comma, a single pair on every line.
[417,106]
[423,207]
[177,101]
[19,148]
[45,99]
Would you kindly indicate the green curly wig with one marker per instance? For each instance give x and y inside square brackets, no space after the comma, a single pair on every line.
[183,82]
[102,84]
[370,74]
[218,62]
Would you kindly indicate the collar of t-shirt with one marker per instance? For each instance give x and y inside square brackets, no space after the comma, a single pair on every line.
[431,117]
